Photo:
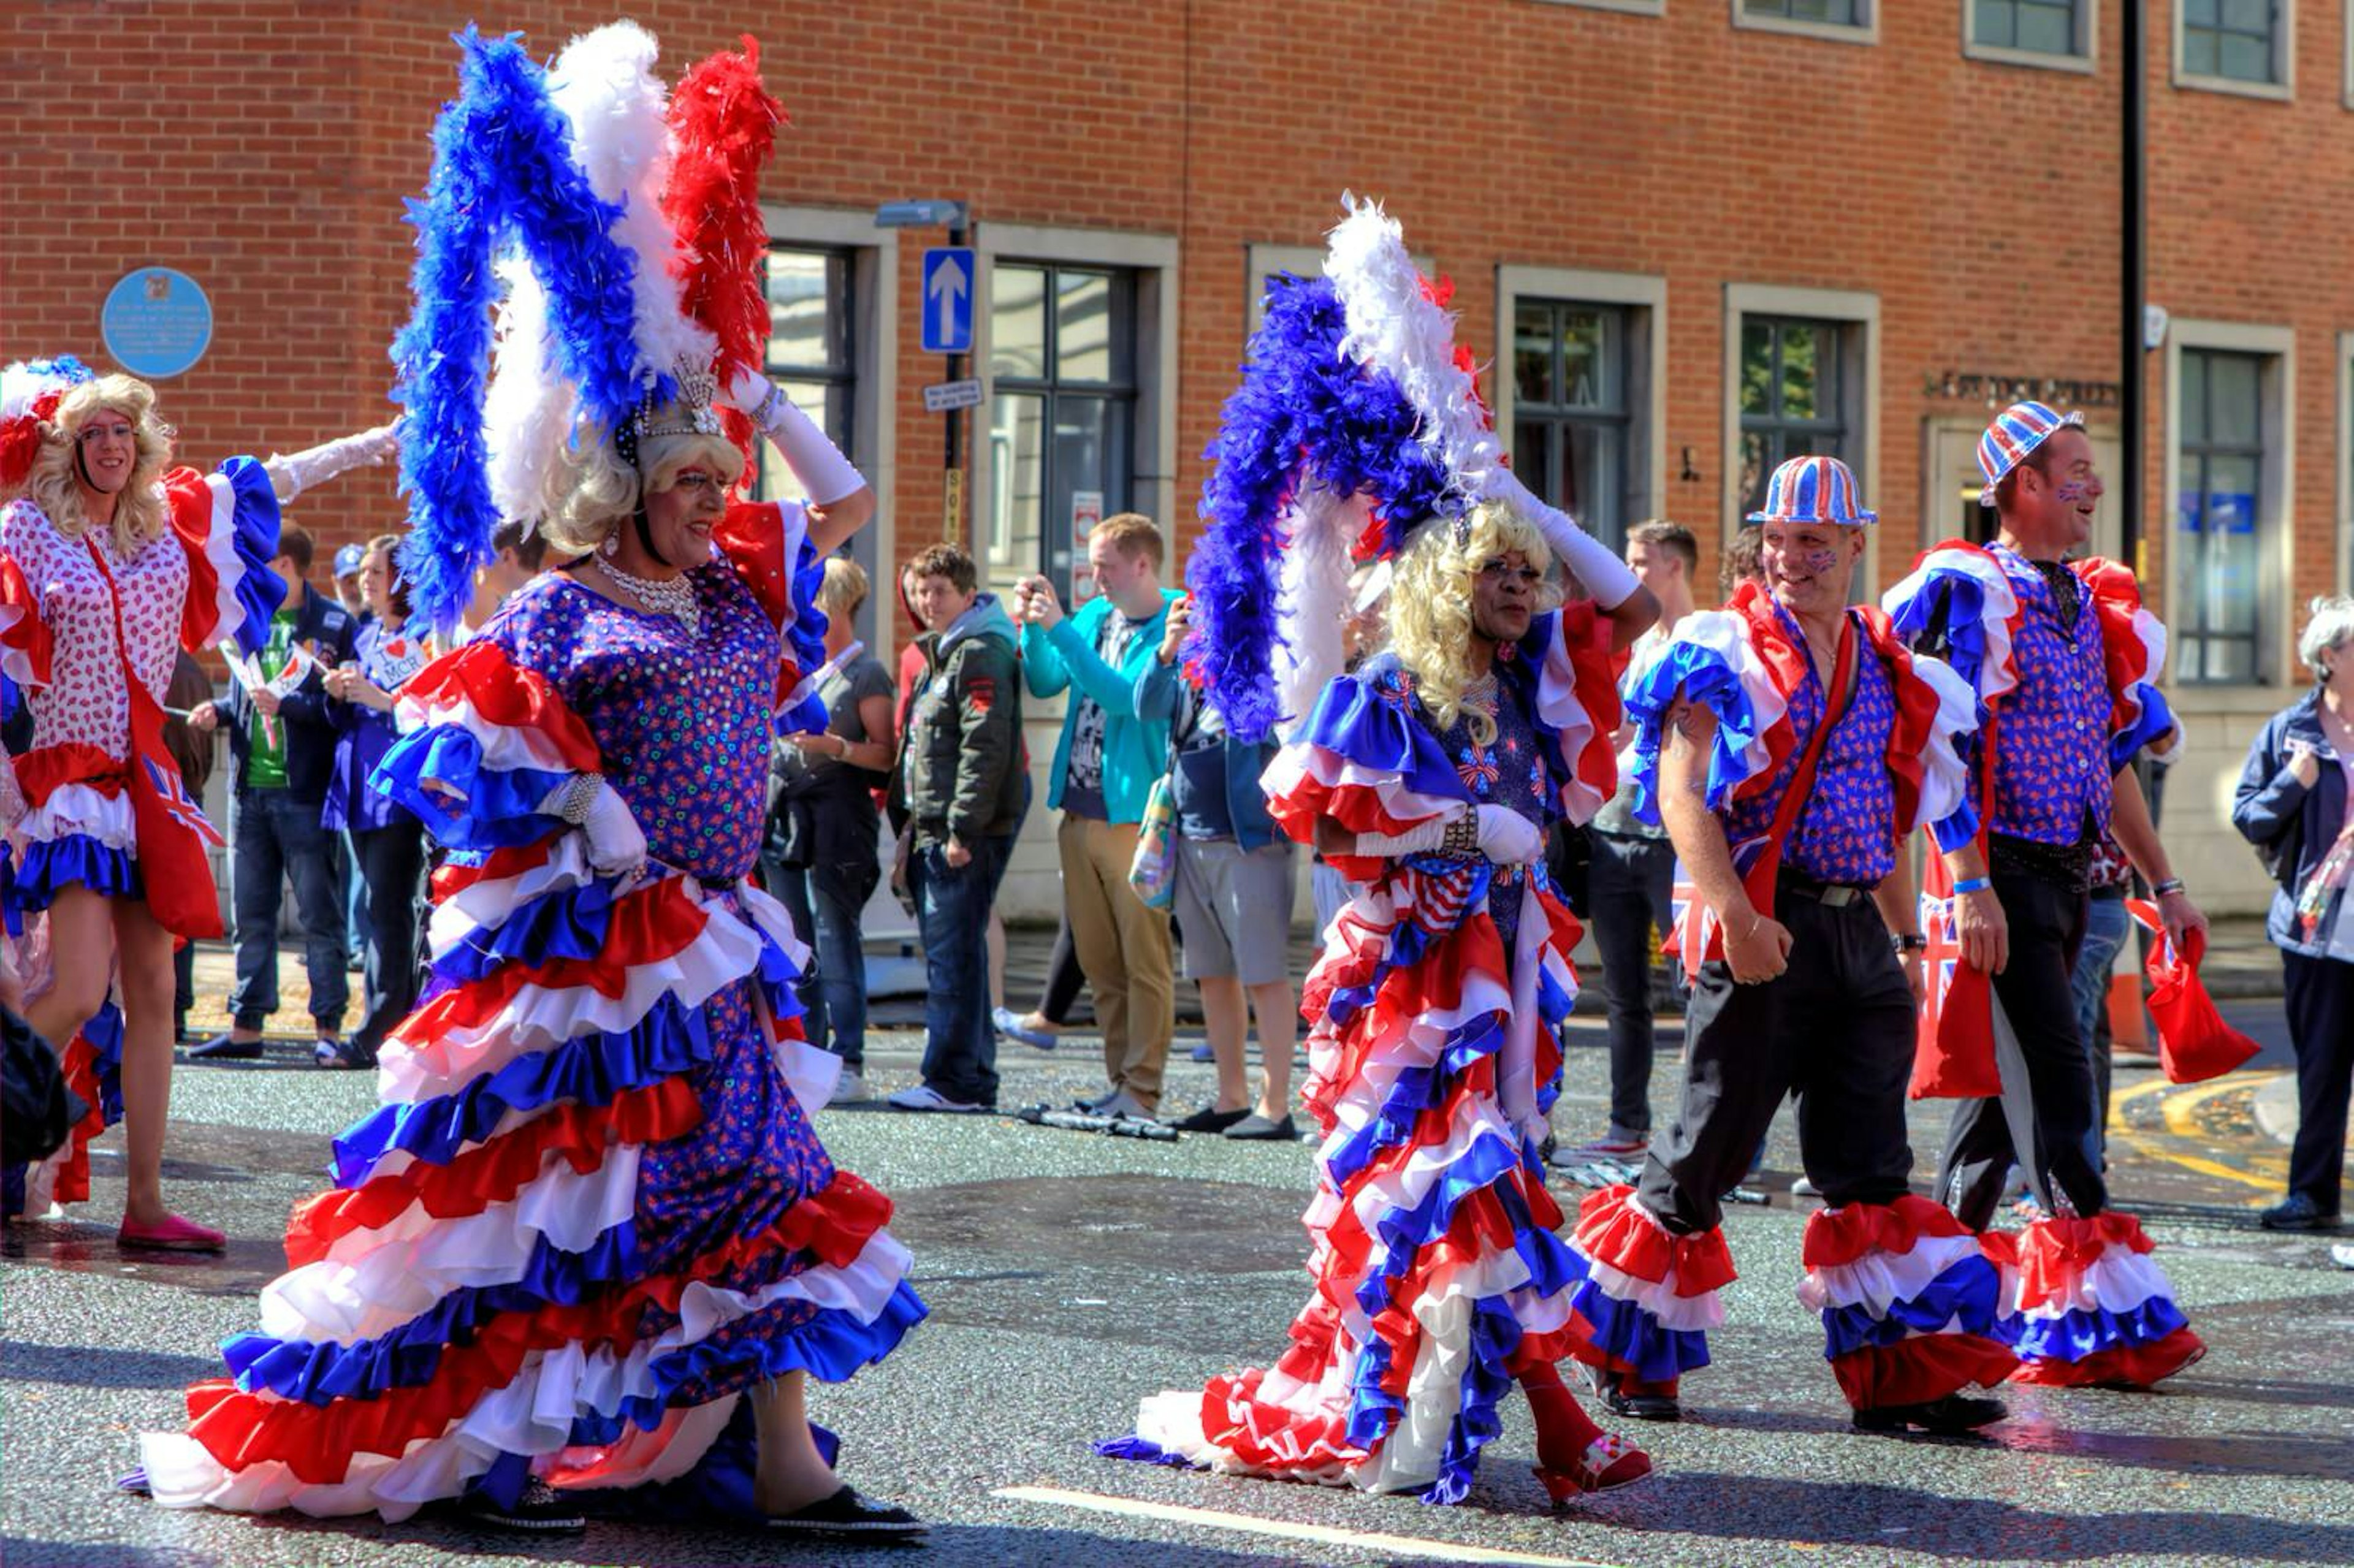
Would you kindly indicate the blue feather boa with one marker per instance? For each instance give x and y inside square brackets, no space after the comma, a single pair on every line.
[1303,411]
[502,165]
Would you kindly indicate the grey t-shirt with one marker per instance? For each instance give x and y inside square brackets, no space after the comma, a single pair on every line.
[1083,786]
[840,692]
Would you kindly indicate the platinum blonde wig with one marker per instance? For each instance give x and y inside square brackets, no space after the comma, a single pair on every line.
[55,484]
[1430,605]
[2329,626]
[604,491]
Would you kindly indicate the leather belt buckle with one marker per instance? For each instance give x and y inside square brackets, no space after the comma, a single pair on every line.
[1838,895]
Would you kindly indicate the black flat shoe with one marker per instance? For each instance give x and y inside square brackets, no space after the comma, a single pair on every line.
[222,1048]
[1646,1405]
[540,1509]
[1256,1128]
[2297,1212]
[1210,1120]
[846,1516]
[1947,1417]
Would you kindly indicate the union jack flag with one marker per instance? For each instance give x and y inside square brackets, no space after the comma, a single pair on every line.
[176,801]
[1694,934]
[1939,959]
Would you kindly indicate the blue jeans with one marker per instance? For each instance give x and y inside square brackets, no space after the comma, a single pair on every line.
[274,838]
[2105,925]
[952,906]
[833,993]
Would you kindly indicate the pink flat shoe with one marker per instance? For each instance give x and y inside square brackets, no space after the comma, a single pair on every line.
[172,1233]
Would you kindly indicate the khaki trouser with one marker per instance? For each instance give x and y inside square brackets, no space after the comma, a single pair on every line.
[1123,948]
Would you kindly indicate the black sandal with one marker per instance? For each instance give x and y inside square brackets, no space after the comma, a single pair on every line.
[846,1516]
[540,1508]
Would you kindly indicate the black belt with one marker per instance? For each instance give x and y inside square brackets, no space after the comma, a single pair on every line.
[1830,895]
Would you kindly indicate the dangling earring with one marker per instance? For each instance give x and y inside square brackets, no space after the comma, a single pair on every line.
[612,543]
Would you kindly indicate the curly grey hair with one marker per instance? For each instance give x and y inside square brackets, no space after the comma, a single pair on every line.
[2329,625]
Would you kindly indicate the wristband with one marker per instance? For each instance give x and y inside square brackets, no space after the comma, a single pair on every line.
[2160,889]
[1909,942]
[1974,884]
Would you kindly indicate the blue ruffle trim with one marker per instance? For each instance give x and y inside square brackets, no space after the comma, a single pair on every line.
[253,538]
[1703,677]
[499,807]
[75,860]
[320,1373]
[1626,1332]
[589,1069]
[2156,719]
[1142,1451]
[806,639]
[1970,1290]
[568,923]
[2077,1334]
[1963,598]
[1355,719]
[830,1347]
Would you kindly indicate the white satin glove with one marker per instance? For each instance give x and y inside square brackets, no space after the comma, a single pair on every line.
[616,845]
[1605,577]
[293,473]
[1508,838]
[815,461]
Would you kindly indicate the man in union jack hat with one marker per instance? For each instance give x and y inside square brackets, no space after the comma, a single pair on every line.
[2064,660]
[1789,742]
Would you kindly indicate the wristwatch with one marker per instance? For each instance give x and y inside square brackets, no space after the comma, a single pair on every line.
[1908,942]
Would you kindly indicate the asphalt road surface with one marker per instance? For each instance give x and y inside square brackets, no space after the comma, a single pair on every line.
[1069,1275]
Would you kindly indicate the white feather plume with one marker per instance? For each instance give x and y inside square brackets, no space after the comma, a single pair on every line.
[1318,526]
[1393,324]
[528,407]
[604,83]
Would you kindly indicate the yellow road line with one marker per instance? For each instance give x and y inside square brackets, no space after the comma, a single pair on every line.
[1323,1535]
[2178,1108]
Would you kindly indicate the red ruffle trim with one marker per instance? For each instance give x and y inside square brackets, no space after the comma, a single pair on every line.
[317,1442]
[1836,1237]
[23,632]
[498,865]
[494,1172]
[1611,1230]
[2053,1253]
[2133,1366]
[1923,1368]
[506,694]
[42,772]
[1586,635]
[1235,1419]
[81,1064]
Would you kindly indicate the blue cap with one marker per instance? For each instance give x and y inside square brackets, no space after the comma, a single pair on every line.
[348,559]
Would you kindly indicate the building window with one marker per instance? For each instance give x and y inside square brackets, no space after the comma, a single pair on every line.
[2031,27]
[2220,476]
[809,351]
[1571,420]
[1793,389]
[1062,357]
[2232,40]
[1824,12]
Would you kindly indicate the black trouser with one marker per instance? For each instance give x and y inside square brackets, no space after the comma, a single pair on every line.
[391,860]
[2037,991]
[1836,1027]
[1627,887]
[1063,979]
[2321,1027]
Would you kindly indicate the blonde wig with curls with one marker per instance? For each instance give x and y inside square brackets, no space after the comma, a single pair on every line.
[1430,605]
[54,484]
[604,491]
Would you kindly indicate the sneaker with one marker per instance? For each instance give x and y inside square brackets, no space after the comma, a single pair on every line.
[1616,1144]
[1256,1128]
[1804,1187]
[540,1509]
[924,1097]
[1096,1105]
[1120,1103]
[1209,1118]
[849,1089]
[2297,1211]
[329,1052]
[1013,1027]
[1203,1053]
[1946,1418]
[226,1048]
[846,1516]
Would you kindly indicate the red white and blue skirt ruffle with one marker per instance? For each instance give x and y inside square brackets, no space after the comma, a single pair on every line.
[92,1062]
[1649,1296]
[1911,1307]
[77,829]
[2084,1303]
[1437,1273]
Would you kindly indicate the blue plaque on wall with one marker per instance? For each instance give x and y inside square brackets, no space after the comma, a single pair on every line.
[157,322]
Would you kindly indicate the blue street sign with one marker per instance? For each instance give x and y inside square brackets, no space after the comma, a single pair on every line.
[157,322]
[948,299]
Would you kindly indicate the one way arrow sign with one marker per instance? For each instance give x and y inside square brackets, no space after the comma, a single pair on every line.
[948,299]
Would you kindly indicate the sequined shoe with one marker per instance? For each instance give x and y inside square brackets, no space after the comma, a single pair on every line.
[846,1516]
[539,1509]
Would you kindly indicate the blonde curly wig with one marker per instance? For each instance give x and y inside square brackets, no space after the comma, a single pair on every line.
[603,493]
[54,484]
[1430,607]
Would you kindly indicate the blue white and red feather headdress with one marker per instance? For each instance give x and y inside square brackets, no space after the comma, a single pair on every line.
[1358,416]
[616,230]
[29,393]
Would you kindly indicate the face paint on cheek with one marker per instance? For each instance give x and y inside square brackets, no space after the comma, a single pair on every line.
[2072,492]
[1819,563]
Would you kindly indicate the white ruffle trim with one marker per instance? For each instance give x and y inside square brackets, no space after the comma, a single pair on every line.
[81,808]
[1303,761]
[1878,1280]
[2001,606]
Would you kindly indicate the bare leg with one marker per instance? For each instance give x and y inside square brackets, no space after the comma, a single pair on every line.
[147,949]
[82,957]
[1278,1027]
[1226,1022]
[790,1476]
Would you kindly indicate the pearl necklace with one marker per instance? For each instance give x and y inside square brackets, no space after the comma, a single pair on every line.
[674,597]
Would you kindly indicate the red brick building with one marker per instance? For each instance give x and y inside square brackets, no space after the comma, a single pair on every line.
[1691,235]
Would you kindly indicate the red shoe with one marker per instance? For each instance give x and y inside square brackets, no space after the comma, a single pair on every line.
[172,1234]
[1609,1462]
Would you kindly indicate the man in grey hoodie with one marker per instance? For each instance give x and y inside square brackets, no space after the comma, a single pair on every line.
[959,789]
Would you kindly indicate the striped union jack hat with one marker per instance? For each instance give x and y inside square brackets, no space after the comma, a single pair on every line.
[1812,490]
[2017,431]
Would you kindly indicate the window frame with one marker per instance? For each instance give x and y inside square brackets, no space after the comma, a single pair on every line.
[2277,491]
[1624,7]
[1867,31]
[2284,61]
[875,379]
[2084,60]
[1643,300]
[1860,404]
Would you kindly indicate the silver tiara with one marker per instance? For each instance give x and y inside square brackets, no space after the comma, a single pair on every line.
[689,412]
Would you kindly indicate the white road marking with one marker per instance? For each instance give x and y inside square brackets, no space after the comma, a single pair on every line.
[1362,1540]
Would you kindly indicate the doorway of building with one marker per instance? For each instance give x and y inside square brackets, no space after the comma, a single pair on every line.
[1950,481]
